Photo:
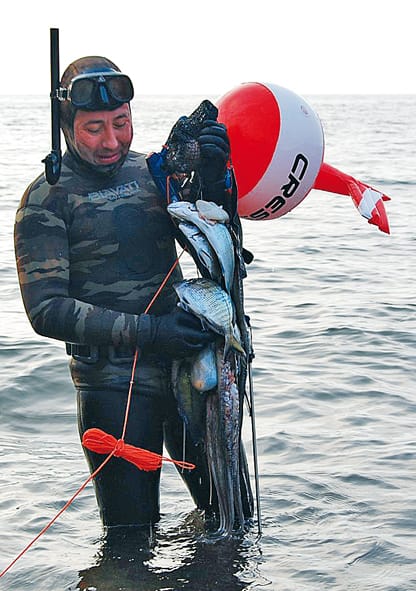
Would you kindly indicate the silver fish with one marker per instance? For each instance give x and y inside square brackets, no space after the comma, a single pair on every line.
[215,232]
[211,211]
[223,449]
[201,251]
[213,306]
[225,459]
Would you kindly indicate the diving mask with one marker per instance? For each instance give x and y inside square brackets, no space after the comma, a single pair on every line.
[95,91]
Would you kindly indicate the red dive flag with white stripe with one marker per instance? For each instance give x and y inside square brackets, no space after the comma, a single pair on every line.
[367,200]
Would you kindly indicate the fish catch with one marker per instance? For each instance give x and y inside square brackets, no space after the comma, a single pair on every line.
[223,403]
[213,306]
[216,233]
[211,211]
[223,440]
[201,251]
[210,388]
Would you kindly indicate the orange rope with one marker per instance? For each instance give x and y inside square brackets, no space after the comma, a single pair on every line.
[102,442]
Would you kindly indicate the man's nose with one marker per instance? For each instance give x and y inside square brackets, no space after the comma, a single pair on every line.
[110,138]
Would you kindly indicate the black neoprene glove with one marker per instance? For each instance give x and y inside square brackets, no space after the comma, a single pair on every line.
[214,154]
[178,334]
[215,151]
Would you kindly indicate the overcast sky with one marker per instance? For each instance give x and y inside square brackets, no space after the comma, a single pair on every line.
[192,47]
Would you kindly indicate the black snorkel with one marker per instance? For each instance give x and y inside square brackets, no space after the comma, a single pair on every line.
[53,159]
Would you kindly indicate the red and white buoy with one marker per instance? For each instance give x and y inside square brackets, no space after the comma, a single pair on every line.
[277,147]
[277,151]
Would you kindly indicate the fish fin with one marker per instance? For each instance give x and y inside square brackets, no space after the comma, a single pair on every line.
[232,344]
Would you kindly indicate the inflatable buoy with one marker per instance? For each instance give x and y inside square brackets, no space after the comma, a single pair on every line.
[277,147]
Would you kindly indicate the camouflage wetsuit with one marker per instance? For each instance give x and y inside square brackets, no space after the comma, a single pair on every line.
[91,252]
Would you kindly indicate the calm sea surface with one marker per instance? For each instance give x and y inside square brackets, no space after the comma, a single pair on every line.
[332,303]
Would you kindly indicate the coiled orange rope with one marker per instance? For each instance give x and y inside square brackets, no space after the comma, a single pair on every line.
[103,443]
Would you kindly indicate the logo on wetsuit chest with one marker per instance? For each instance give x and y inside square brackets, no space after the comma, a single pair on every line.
[114,193]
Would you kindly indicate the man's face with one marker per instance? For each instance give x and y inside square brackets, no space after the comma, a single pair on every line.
[103,137]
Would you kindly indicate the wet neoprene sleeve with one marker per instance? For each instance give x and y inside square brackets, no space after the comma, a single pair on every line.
[91,253]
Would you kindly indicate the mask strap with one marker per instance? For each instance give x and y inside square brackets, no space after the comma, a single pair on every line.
[104,94]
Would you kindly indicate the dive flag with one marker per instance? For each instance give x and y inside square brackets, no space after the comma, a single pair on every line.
[367,200]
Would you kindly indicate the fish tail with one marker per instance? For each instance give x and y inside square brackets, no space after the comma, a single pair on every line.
[232,344]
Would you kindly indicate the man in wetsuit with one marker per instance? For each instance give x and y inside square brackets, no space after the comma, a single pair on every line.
[91,252]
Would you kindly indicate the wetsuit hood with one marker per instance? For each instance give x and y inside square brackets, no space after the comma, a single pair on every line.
[82,66]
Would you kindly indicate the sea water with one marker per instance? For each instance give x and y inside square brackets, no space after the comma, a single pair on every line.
[332,304]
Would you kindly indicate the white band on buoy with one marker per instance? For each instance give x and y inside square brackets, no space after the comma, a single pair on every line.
[277,147]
